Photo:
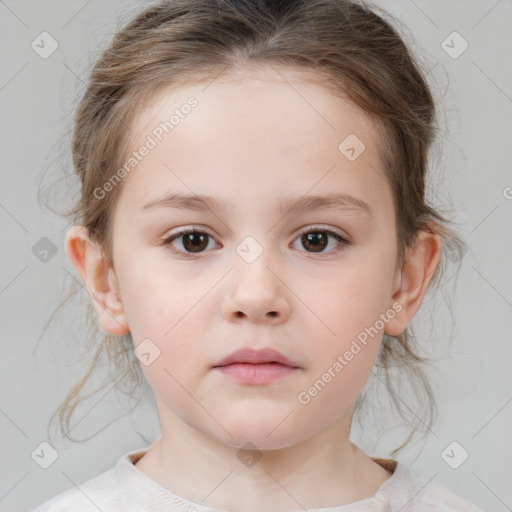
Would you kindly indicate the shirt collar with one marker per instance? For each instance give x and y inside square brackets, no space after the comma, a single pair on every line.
[142,493]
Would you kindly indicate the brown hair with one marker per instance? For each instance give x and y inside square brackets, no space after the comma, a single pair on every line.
[349,49]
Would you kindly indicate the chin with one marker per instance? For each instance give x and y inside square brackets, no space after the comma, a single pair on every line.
[263,434]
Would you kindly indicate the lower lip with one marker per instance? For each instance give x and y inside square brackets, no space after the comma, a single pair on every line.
[263,373]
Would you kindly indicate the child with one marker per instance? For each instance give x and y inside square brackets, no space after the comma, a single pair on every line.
[252,219]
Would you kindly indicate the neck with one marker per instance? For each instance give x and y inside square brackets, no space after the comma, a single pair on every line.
[325,470]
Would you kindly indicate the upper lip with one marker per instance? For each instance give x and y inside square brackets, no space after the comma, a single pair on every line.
[249,355]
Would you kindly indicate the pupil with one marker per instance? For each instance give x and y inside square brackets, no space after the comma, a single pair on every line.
[317,240]
[195,240]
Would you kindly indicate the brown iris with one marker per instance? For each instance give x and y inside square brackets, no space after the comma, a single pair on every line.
[195,242]
[317,240]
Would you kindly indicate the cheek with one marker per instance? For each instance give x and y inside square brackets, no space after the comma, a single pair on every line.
[348,302]
[169,328]
[332,391]
[179,365]
[157,305]
[346,324]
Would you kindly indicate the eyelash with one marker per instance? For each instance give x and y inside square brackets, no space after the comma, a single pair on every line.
[316,229]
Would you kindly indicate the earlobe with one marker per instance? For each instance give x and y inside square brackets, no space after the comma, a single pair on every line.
[413,279]
[99,279]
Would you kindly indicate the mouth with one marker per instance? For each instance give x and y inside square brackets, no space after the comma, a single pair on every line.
[256,367]
[259,373]
[256,357]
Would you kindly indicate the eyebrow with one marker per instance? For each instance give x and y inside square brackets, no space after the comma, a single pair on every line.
[334,201]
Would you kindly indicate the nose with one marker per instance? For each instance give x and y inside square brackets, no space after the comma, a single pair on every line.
[257,292]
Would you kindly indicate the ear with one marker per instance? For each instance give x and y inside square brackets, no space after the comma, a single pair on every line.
[99,278]
[411,282]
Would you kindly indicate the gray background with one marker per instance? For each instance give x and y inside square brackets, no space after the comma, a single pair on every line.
[473,175]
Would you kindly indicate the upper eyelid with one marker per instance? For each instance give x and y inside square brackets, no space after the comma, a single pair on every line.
[306,228]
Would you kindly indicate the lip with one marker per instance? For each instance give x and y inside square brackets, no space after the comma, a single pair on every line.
[251,356]
[256,367]
[256,374]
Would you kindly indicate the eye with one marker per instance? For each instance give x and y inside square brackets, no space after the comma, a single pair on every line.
[193,241]
[317,239]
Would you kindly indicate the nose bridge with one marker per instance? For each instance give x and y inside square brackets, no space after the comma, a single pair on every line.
[254,260]
[257,288]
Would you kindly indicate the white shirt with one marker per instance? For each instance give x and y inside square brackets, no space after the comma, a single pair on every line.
[125,488]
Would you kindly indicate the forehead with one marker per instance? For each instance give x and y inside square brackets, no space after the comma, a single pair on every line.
[273,124]
[263,96]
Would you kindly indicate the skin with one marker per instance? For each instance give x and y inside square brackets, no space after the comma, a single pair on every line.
[254,140]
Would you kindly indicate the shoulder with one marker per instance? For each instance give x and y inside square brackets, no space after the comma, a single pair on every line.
[122,488]
[437,497]
[407,492]
[98,493]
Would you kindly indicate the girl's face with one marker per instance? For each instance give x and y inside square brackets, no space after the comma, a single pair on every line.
[249,278]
